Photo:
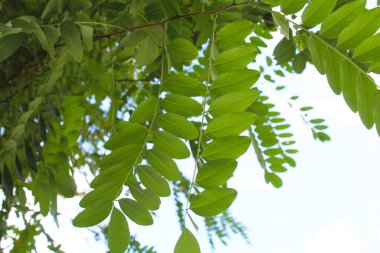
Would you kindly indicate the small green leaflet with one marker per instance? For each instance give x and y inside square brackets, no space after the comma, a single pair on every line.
[317,49]
[153,180]
[236,101]
[182,105]
[147,52]
[299,63]
[71,36]
[284,51]
[228,147]
[87,33]
[213,201]
[332,62]
[103,194]
[171,145]
[230,124]
[348,77]
[147,197]
[233,34]
[215,173]
[274,179]
[185,85]
[360,29]
[187,243]
[44,196]
[366,94]
[132,133]
[182,50]
[116,174]
[282,23]
[235,58]
[118,232]
[119,157]
[316,11]
[9,44]
[292,6]
[341,18]
[163,164]
[92,215]
[234,81]
[178,125]
[136,212]
[369,50]
[145,110]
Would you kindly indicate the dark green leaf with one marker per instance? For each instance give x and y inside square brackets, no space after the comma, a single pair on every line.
[9,44]
[71,36]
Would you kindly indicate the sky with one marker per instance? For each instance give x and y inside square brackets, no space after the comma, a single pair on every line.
[329,203]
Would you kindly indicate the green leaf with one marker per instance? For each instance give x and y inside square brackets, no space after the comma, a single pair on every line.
[119,158]
[30,158]
[187,243]
[233,34]
[87,33]
[236,101]
[18,132]
[136,212]
[163,164]
[360,29]
[132,133]
[235,58]
[103,194]
[348,75]
[92,215]
[80,4]
[185,85]
[118,232]
[228,147]
[178,125]
[153,180]
[181,49]
[212,202]
[316,11]
[332,62]
[234,81]
[368,50]
[9,44]
[282,23]
[292,6]
[284,51]
[116,174]
[366,94]
[272,2]
[341,18]
[71,36]
[171,145]
[145,110]
[299,63]
[50,9]
[317,50]
[182,105]
[274,179]
[147,52]
[230,124]
[44,196]
[215,173]
[147,197]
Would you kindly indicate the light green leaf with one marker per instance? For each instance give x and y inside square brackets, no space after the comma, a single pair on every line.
[182,105]
[136,212]
[103,194]
[87,33]
[235,58]
[181,49]
[332,62]
[163,164]
[292,6]
[92,215]
[9,146]
[366,97]
[234,81]
[9,44]
[360,29]
[147,52]
[185,85]
[145,110]
[282,23]
[272,2]
[118,232]
[153,180]
[178,125]
[147,197]
[116,174]
[317,49]
[274,179]
[212,202]
[316,11]
[44,196]
[230,124]
[171,145]
[18,132]
[341,18]
[233,34]
[132,133]
[368,50]
[187,243]
[348,75]
[119,158]
[236,101]
[71,36]
[215,173]
[228,147]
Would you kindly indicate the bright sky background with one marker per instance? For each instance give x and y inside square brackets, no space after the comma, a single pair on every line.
[329,203]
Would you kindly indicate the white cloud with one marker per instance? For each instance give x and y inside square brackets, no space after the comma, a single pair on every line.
[337,238]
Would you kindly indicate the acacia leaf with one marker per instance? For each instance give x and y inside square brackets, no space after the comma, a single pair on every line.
[118,232]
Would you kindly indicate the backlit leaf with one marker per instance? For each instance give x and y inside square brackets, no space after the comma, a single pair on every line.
[171,145]
[215,173]
[178,125]
[234,81]
[187,243]
[182,105]
[92,215]
[233,34]
[235,58]
[228,147]
[153,180]
[118,232]
[185,85]
[316,11]
[136,212]
[181,49]
[163,164]
[145,110]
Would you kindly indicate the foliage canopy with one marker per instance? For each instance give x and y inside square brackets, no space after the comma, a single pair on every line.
[125,88]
